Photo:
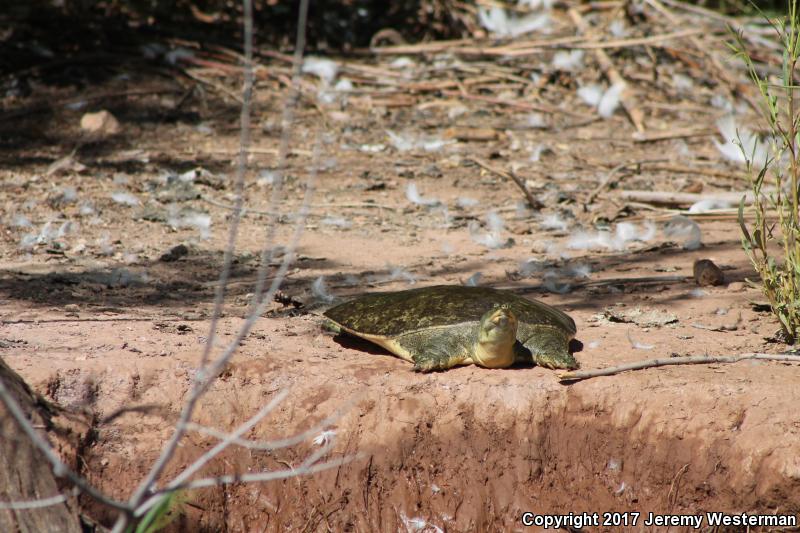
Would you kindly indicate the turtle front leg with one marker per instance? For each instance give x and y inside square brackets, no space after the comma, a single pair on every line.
[549,348]
[435,350]
[433,360]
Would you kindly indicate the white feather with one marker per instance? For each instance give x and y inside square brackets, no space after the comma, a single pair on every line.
[324,69]
[751,146]
[684,228]
[473,280]
[325,437]
[413,196]
[320,291]
[536,121]
[610,100]
[572,60]
[463,202]
[497,21]
[553,222]
[709,204]
[125,198]
[617,28]
[591,94]
[638,345]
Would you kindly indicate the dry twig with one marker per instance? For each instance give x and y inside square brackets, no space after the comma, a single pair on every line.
[532,201]
[614,77]
[578,375]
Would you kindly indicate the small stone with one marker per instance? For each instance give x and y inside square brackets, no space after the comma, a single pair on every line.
[175,253]
[706,273]
[100,123]
[737,286]
[72,308]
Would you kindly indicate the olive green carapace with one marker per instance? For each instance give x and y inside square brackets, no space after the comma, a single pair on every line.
[447,325]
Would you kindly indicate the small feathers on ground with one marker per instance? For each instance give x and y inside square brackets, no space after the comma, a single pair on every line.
[413,196]
[536,121]
[194,220]
[606,101]
[125,198]
[638,345]
[463,202]
[530,266]
[591,94]
[408,141]
[325,437]
[536,152]
[397,272]
[572,60]
[20,221]
[320,291]
[473,280]
[626,233]
[709,204]
[416,524]
[610,100]
[682,83]
[337,222]
[684,228]
[324,69]
[751,147]
[491,238]
[553,221]
[403,62]
[497,21]
[617,28]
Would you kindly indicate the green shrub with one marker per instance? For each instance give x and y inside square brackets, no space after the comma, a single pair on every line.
[773,246]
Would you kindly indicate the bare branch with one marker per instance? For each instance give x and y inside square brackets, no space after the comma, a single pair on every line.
[689,360]
[207,372]
[220,447]
[281,443]
[202,377]
[259,477]
[36,504]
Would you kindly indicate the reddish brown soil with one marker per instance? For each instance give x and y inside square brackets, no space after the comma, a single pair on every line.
[465,450]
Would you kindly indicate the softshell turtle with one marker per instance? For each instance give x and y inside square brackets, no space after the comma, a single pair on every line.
[447,325]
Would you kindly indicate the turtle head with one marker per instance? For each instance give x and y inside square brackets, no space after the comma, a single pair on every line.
[496,338]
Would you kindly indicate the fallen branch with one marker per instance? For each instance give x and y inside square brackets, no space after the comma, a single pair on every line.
[690,360]
[684,198]
[527,106]
[614,77]
[672,133]
[612,175]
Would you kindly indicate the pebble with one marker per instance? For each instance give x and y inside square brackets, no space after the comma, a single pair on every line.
[706,273]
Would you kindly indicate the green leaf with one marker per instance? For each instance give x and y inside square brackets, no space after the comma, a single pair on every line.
[161,514]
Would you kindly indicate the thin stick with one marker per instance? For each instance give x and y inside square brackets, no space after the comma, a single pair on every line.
[612,174]
[690,360]
[202,378]
[204,459]
[527,106]
[683,198]
[638,41]
[614,77]
[673,133]
[258,477]
[34,504]
[697,170]
[532,201]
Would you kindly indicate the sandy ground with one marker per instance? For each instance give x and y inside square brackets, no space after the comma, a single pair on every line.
[96,321]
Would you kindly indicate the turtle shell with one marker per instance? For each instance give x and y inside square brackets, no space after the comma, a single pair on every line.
[389,314]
